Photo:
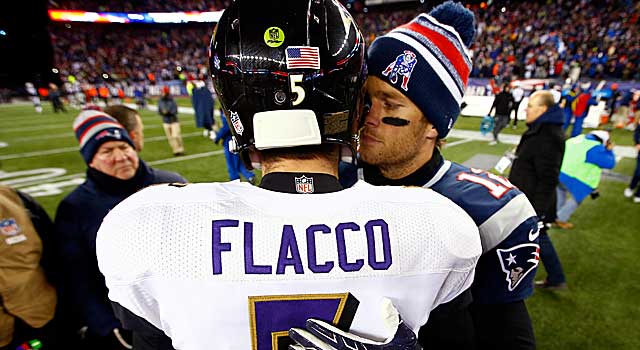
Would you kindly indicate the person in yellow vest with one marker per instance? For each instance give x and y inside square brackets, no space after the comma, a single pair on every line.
[27,269]
[584,158]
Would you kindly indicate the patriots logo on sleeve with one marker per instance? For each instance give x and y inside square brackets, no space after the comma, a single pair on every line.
[518,261]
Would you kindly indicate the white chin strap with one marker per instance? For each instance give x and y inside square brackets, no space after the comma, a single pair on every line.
[285,128]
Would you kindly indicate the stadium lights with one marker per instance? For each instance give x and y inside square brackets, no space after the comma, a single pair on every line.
[143,17]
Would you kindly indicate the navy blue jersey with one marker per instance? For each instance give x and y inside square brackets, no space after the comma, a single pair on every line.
[506,220]
[508,229]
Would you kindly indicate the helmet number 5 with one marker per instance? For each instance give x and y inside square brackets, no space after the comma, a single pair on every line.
[295,79]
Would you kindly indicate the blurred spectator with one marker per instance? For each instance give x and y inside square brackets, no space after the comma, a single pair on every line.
[566,102]
[168,109]
[529,39]
[635,180]
[234,166]
[28,271]
[502,103]
[114,172]
[518,94]
[583,102]
[202,101]
[584,158]
[536,171]
[130,119]
[35,98]
[56,99]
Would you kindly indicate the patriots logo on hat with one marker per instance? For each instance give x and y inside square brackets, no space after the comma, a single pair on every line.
[304,184]
[518,261]
[403,65]
[115,133]
[9,227]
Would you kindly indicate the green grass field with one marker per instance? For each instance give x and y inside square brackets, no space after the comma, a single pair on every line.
[599,311]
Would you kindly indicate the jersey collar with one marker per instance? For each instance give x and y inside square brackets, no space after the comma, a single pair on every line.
[286,182]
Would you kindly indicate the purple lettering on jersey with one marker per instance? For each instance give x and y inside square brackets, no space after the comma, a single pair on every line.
[289,244]
[249,267]
[311,249]
[216,243]
[371,243]
[345,265]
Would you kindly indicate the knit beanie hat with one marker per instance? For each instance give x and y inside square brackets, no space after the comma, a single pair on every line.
[427,60]
[93,128]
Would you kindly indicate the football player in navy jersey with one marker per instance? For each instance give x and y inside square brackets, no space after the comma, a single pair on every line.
[417,77]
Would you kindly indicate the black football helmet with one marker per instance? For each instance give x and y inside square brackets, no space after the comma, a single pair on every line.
[288,73]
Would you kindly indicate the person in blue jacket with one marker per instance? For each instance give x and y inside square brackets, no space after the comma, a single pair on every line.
[234,165]
[584,158]
[202,101]
[114,172]
[635,180]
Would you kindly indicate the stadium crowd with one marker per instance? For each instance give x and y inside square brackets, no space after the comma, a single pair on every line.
[525,40]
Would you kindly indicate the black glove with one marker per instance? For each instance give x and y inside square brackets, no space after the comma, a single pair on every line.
[595,194]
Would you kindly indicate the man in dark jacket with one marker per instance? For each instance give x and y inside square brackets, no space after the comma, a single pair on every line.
[502,104]
[168,109]
[114,172]
[536,169]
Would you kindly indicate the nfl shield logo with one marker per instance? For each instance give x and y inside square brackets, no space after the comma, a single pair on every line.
[9,227]
[304,184]
[237,124]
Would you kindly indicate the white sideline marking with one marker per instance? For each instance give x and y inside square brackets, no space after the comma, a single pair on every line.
[74,149]
[33,185]
[455,143]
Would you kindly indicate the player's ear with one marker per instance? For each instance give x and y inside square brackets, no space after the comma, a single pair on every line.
[432,133]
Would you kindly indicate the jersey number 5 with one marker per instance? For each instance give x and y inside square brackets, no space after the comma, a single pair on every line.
[271,316]
[497,185]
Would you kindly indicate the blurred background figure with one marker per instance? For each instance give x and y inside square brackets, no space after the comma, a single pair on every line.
[583,102]
[33,95]
[502,104]
[235,167]
[28,271]
[635,180]
[139,93]
[56,99]
[130,119]
[168,109]
[203,104]
[518,94]
[584,158]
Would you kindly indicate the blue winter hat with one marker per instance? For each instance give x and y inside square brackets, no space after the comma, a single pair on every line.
[93,128]
[427,60]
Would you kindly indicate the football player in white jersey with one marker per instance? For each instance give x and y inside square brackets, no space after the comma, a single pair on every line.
[233,266]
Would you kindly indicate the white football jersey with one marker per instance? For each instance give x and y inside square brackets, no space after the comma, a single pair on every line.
[233,266]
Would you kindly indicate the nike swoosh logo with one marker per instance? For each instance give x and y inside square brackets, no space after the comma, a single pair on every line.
[534,235]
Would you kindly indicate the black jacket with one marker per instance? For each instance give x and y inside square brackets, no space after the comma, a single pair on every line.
[536,169]
[502,103]
[78,218]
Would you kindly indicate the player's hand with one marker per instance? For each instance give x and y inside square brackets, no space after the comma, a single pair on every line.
[320,335]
